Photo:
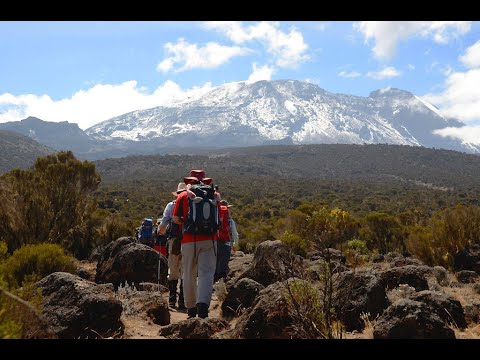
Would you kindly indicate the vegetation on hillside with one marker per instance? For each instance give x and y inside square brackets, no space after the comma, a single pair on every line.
[18,151]
[363,200]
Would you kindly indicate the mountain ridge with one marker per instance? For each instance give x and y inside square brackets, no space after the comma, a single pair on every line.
[255,114]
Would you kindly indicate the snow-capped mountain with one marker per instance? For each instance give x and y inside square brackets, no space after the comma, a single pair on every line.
[284,111]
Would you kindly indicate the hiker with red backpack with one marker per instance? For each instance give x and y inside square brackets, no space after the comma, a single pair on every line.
[227,242]
[197,211]
[223,242]
[173,234]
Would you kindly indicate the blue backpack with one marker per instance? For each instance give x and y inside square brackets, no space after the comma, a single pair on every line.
[146,230]
[202,215]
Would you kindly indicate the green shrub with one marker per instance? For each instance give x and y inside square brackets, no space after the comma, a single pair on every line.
[312,316]
[446,233]
[382,232]
[247,247]
[295,243]
[356,251]
[3,251]
[329,227]
[35,261]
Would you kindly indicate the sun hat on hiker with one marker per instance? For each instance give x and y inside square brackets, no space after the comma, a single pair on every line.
[225,203]
[181,187]
[200,175]
[190,180]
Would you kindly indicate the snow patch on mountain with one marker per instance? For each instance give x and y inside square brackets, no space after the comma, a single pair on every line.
[241,114]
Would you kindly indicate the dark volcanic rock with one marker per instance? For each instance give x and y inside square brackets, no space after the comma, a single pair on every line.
[195,328]
[445,306]
[126,260]
[408,319]
[241,295]
[77,308]
[358,292]
[272,262]
[468,259]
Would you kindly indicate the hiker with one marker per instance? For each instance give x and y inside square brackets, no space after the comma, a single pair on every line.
[145,234]
[173,234]
[160,240]
[226,234]
[197,210]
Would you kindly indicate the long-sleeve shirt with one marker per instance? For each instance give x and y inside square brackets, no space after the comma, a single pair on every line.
[167,214]
[234,232]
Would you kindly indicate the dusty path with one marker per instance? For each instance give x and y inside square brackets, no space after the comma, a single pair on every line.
[142,327]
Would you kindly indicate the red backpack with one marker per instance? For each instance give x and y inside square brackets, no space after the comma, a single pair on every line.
[224,230]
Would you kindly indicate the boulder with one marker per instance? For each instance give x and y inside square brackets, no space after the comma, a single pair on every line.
[472,312]
[445,306]
[241,295]
[268,318]
[272,262]
[403,261]
[466,276]
[412,275]
[441,275]
[237,266]
[357,293]
[77,308]
[194,328]
[468,259]
[127,261]
[409,319]
[151,304]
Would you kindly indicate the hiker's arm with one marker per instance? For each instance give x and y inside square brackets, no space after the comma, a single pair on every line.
[167,215]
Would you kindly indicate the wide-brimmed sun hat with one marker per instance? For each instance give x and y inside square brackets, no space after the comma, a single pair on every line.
[180,187]
[225,203]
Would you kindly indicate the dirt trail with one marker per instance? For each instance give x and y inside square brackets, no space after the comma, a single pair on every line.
[142,327]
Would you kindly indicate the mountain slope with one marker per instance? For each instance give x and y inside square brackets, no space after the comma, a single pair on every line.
[57,135]
[18,151]
[284,112]
[374,163]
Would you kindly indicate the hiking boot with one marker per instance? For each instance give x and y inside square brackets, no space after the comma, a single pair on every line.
[172,287]
[191,312]
[202,309]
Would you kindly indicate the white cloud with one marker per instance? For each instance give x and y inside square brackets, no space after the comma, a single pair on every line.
[385,73]
[89,107]
[349,74]
[264,72]
[411,67]
[460,98]
[470,134]
[387,34]
[190,56]
[287,48]
[471,58]
[322,26]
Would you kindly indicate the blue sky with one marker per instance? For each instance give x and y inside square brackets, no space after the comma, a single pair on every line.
[87,72]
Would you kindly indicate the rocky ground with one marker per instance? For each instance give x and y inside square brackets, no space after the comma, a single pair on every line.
[115,296]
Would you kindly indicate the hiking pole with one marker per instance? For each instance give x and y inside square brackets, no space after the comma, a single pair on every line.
[158,276]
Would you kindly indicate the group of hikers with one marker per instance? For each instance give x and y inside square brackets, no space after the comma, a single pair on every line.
[197,235]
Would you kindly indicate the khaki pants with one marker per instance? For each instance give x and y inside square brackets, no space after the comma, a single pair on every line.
[174,263]
[198,265]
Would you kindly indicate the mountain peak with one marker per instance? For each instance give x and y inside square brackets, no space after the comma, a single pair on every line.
[390,92]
